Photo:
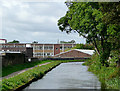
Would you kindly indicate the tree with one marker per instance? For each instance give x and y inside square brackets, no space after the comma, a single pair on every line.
[84,46]
[72,41]
[35,42]
[87,19]
[111,12]
[14,41]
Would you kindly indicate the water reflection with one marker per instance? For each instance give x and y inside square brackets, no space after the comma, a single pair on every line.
[67,76]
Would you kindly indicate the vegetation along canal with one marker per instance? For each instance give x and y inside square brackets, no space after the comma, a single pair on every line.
[72,75]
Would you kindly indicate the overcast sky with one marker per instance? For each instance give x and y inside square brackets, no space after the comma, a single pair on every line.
[34,21]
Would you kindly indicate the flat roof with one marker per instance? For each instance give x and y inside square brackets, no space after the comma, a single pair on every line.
[34,44]
[8,52]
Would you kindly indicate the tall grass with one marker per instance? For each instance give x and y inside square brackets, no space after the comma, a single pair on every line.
[108,76]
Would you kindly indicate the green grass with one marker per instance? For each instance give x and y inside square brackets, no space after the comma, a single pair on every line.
[108,76]
[13,68]
[21,79]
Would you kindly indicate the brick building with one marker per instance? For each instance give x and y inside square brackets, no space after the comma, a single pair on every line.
[75,53]
[39,50]
[3,41]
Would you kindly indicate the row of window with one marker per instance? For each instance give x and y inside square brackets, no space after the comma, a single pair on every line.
[41,54]
[7,46]
[49,48]
[41,48]
[14,50]
[34,47]
[66,47]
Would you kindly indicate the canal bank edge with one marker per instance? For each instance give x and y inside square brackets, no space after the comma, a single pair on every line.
[9,85]
[35,79]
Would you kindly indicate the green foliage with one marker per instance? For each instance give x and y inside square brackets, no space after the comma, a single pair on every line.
[84,46]
[35,42]
[108,76]
[111,12]
[98,22]
[14,41]
[72,41]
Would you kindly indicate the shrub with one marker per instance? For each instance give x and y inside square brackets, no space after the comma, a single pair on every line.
[108,76]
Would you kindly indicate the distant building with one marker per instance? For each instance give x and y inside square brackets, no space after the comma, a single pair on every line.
[3,41]
[39,50]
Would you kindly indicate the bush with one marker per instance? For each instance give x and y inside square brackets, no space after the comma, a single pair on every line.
[108,76]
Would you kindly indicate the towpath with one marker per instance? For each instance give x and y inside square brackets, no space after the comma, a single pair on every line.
[21,71]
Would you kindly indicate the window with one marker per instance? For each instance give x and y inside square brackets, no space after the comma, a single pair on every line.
[17,46]
[11,46]
[50,48]
[46,47]
[3,46]
[61,48]
[0,46]
[64,47]
[40,47]
[44,54]
[41,54]
[51,54]
[48,54]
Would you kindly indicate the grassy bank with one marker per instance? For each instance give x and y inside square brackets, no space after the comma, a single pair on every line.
[108,76]
[13,68]
[15,82]
[19,81]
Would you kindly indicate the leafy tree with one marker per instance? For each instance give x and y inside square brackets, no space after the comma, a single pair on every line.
[87,19]
[72,41]
[111,12]
[14,41]
[84,46]
[35,42]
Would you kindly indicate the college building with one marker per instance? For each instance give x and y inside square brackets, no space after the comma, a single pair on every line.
[39,50]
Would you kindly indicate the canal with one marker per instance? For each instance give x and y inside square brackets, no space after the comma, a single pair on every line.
[71,75]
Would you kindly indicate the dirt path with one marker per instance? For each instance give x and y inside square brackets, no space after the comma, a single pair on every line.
[21,71]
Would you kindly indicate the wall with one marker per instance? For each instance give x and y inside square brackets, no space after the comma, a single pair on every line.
[29,52]
[12,58]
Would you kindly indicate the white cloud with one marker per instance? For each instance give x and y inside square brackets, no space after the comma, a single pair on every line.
[23,15]
[27,22]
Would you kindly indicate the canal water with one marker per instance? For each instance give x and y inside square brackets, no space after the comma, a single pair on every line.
[71,75]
